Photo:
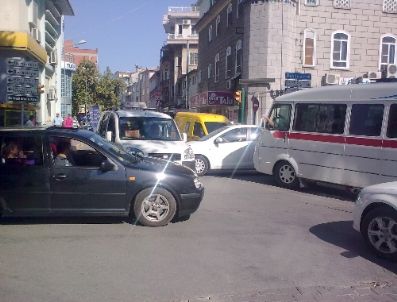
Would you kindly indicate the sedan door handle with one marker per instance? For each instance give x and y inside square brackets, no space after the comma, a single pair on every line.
[60,176]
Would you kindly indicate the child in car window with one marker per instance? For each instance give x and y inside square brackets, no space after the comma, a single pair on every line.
[63,158]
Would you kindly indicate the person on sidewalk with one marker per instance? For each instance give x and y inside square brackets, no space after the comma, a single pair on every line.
[68,121]
[31,121]
[58,120]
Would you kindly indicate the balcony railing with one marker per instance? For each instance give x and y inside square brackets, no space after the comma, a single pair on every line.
[182,10]
[181,38]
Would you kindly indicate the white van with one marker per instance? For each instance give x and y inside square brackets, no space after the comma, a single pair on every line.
[345,135]
[148,133]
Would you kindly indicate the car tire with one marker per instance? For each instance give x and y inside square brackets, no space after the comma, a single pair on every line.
[202,165]
[154,207]
[382,239]
[285,175]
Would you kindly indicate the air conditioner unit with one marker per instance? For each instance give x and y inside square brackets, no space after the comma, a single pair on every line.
[374,75]
[53,57]
[52,94]
[35,32]
[392,71]
[186,22]
[229,84]
[332,79]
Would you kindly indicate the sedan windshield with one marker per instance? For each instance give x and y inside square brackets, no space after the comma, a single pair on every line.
[113,149]
[212,126]
[148,128]
[213,133]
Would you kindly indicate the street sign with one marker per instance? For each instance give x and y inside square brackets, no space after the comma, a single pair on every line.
[298,76]
[295,81]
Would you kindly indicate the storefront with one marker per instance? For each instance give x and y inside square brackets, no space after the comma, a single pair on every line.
[219,102]
[22,62]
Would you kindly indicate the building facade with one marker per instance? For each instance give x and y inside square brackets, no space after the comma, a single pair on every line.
[31,36]
[80,54]
[297,45]
[179,55]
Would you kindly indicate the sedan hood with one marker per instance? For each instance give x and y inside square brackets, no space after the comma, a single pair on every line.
[159,165]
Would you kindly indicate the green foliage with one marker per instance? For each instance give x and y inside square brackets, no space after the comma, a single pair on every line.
[89,87]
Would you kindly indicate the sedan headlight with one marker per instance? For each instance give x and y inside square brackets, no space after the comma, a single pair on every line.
[197,183]
[188,154]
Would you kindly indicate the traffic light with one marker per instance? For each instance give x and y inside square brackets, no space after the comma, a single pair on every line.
[40,89]
[237,96]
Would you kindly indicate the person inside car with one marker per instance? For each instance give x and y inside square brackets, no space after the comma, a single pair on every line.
[12,154]
[63,158]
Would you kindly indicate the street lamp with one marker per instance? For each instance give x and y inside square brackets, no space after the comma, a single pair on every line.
[80,43]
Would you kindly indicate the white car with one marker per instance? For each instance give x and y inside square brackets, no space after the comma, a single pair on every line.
[375,216]
[227,148]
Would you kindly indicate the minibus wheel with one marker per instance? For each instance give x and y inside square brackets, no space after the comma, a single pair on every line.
[379,229]
[285,175]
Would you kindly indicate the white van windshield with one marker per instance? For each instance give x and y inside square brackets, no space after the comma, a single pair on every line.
[148,128]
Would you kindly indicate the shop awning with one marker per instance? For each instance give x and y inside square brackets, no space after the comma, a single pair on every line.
[22,41]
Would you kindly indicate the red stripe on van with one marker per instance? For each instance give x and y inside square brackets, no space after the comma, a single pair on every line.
[364,141]
[279,134]
[390,144]
[338,139]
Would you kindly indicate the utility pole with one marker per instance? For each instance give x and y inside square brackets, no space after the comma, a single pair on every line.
[187,75]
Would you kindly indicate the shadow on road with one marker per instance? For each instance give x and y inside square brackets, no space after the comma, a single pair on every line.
[342,234]
[62,220]
[311,188]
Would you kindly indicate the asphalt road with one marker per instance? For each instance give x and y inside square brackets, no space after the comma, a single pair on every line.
[249,241]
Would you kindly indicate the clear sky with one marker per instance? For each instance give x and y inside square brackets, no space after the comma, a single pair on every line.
[126,32]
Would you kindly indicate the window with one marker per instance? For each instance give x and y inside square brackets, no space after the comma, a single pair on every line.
[239,57]
[309,48]
[392,127]
[68,152]
[235,135]
[217,25]
[228,63]
[390,6]
[21,151]
[320,118]
[216,68]
[209,71]
[229,16]
[180,29]
[198,130]
[366,119]
[312,2]
[280,118]
[340,50]
[193,58]
[388,51]
[238,8]
[343,4]
[199,76]
[210,33]
[187,126]
[112,126]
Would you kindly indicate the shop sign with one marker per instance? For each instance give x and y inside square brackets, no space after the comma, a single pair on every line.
[22,80]
[220,98]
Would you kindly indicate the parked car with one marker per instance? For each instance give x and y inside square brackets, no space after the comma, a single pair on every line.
[196,125]
[227,148]
[375,216]
[148,133]
[58,172]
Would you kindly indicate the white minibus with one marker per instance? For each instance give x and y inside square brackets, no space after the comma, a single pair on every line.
[345,135]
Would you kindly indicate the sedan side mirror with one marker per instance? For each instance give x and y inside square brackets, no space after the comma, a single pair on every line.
[184,137]
[106,166]
[219,140]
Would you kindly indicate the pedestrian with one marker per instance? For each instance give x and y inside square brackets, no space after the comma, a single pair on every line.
[58,120]
[68,121]
[31,121]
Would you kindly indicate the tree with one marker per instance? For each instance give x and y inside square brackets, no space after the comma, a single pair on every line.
[84,85]
[109,90]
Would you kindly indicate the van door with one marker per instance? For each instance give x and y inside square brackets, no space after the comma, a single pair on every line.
[273,140]
[389,149]
[363,149]
[24,175]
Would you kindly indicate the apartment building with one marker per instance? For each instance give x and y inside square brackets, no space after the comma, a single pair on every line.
[81,54]
[179,54]
[288,45]
[31,37]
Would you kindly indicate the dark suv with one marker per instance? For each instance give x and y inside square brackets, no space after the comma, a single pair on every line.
[55,171]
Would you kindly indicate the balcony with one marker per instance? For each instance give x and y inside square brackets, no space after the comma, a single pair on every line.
[182,39]
[175,13]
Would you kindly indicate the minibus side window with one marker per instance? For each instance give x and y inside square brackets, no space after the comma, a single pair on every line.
[366,119]
[320,118]
[392,127]
[280,117]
